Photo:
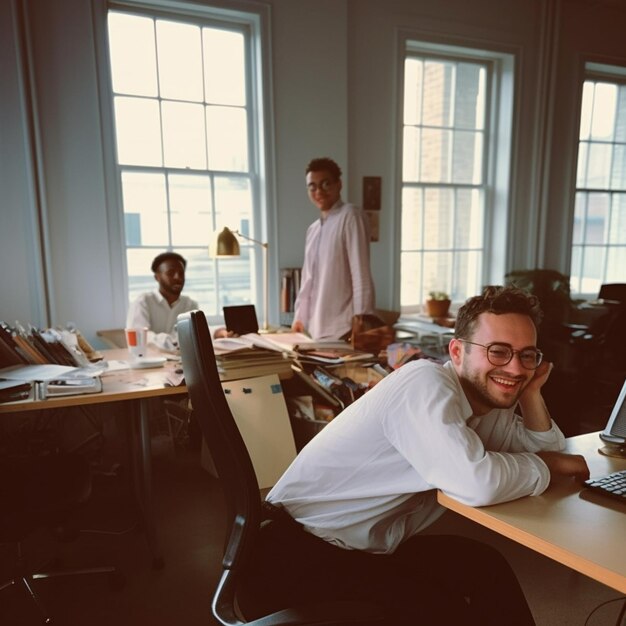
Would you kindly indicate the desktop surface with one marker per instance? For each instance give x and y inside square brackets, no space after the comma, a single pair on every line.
[570,524]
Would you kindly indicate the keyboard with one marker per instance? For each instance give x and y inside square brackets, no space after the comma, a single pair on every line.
[613,485]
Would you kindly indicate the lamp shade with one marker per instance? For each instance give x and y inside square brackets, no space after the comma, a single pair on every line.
[225,244]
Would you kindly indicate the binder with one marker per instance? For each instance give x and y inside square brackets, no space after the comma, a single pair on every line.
[259,408]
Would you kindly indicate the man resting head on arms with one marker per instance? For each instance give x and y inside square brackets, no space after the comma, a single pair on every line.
[364,488]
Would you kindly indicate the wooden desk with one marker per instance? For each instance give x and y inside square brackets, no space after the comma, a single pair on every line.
[575,527]
[136,386]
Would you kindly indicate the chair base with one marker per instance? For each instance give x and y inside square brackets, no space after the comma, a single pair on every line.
[25,578]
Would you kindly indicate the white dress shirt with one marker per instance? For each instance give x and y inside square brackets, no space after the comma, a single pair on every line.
[152,310]
[367,481]
[336,279]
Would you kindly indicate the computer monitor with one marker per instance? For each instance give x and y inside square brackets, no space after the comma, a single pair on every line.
[241,319]
[615,431]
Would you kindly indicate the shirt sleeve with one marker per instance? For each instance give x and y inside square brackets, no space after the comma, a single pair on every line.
[430,430]
[302,308]
[356,241]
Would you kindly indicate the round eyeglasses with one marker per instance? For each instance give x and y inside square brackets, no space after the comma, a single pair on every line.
[324,185]
[502,354]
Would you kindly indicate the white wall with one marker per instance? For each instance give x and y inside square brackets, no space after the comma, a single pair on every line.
[334,86]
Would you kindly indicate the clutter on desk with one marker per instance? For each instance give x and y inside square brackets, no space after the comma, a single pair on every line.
[13,390]
[370,333]
[400,353]
[41,356]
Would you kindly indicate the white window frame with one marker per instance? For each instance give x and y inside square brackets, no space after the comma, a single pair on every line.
[597,72]
[498,145]
[256,19]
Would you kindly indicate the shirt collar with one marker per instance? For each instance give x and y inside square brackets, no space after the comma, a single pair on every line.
[466,409]
[162,299]
[333,210]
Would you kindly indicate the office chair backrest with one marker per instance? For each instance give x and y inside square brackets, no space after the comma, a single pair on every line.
[230,455]
[241,490]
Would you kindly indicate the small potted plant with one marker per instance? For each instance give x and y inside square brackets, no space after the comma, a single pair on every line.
[438,304]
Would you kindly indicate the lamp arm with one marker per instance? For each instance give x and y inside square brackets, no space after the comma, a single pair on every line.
[236,232]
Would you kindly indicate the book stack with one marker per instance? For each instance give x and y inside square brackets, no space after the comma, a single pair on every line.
[251,362]
[251,355]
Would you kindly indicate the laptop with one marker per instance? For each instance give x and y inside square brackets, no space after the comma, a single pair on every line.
[241,319]
[615,430]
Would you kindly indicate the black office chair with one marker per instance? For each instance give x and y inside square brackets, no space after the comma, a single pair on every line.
[241,489]
[40,491]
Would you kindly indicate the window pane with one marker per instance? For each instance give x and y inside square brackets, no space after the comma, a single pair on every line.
[227,137]
[617,229]
[597,218]
[183,135]
[579,217]
[599,166]
[132,53]
[469,219]
[224,67]
[616,262]
[576,271]
[412,215]
[413,70]
[437,273]
[586,110]
[144,196]
[469,106]
[138,132]
[618,178]
[438,220]
[593,266]
[620,124]
[436,149]
[191,210]
[437,93]
[411,154]
[604,103]
[467,273]
[467,157]
[180,67]
[581,169]
[233,203]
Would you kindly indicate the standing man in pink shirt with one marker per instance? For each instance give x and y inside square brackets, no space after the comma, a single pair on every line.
[336,278]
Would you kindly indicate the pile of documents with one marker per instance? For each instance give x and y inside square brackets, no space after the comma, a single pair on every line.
[37,364]
[252,355]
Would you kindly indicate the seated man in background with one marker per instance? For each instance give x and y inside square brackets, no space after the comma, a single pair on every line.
[158,310]
[349,510]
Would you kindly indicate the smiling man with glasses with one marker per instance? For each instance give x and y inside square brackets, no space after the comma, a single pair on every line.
[336,281]
[361,491]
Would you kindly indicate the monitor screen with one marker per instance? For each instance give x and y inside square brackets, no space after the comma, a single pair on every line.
[241,320]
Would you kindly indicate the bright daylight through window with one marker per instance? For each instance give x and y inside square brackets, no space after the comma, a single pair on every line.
[183,132]
[599,239]
[443,177]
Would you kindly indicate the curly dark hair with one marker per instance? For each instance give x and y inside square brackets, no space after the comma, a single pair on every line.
[166,256]
[498,300]
[324,164]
